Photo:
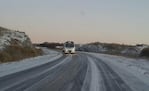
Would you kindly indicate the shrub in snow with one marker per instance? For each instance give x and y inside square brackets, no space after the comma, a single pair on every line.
[110,48]
[145,52]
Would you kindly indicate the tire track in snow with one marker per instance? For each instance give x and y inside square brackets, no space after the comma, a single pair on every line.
[92,79]
[42,71]
[77,82]
[111,80]
[68,77]
[82,72]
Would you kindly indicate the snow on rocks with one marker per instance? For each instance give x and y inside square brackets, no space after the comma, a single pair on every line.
[10,37]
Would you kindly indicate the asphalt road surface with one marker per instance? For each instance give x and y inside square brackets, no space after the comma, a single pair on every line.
[78,72]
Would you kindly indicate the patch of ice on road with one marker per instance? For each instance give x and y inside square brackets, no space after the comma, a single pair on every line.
[13,67]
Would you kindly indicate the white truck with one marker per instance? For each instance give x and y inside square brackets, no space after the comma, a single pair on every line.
[69,47]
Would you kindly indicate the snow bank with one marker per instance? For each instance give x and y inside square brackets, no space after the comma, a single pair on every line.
[13,67]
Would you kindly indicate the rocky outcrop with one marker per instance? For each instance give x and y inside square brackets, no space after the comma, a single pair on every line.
[15,45]
[10,38]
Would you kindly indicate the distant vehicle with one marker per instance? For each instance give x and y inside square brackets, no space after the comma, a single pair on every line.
[69,47]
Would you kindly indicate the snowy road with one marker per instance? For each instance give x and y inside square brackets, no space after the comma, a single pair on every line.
[79,72]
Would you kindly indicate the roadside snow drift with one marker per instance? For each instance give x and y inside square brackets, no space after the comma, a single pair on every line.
[13,67]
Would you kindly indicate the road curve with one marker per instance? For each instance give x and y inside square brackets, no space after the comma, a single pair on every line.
[78,72]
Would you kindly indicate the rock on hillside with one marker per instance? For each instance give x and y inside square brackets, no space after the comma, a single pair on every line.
[10,38]
[15,45]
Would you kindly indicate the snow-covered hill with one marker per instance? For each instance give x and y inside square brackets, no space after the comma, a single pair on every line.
[10,37]
[16,45]
[108,48]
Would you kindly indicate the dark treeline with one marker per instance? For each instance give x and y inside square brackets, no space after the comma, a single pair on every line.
[52,45]
[145,52]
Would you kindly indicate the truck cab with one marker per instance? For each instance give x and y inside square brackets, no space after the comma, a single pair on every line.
[69,47]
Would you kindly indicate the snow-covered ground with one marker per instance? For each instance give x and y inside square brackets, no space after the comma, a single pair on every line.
[80,72]
[48,51]
[129,70]
[139,65]
[13,67]
[113,49]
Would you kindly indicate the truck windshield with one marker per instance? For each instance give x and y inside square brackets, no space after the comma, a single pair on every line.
[69,45]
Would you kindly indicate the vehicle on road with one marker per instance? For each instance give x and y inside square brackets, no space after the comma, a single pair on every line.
[69,47]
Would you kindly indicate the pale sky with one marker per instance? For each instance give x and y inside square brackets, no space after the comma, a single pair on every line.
[83,21]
